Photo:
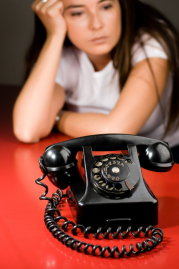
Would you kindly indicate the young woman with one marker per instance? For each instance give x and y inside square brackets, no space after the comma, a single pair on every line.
[111,65]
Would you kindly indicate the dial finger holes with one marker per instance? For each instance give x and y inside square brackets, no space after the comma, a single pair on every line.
[128,161]
[118,187]
[109,187]
[102,183]
[96,170]
[97,177]
[98,164]
[105,159]
[113,158]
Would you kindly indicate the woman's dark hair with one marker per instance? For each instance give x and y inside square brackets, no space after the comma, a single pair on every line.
[137,18]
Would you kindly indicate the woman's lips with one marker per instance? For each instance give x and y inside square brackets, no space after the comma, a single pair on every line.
[99,40]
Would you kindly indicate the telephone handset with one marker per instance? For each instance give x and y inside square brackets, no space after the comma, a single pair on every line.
[108,190]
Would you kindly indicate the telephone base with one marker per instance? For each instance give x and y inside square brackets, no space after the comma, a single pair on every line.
[140,209]
[94,205]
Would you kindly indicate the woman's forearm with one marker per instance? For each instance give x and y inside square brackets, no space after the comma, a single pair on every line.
[81,124]
[35,110]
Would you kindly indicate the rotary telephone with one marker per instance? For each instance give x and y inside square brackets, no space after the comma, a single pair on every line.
[108,191]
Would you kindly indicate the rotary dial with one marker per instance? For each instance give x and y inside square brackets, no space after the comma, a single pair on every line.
[110,174]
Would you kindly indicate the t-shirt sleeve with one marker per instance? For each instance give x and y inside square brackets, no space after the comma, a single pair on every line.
[67,70]
[151,49]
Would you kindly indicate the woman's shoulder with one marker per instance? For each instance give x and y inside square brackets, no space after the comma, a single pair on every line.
[147,46]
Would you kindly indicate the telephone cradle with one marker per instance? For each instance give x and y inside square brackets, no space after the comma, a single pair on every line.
[107,194]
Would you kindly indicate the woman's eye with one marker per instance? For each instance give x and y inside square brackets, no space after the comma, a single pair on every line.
[77,14]
[107,7]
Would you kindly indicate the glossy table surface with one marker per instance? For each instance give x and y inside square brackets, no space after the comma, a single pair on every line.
[25,241]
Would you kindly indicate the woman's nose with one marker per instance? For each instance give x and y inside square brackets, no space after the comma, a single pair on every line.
[95,22]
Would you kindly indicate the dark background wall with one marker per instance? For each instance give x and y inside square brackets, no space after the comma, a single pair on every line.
[16,30]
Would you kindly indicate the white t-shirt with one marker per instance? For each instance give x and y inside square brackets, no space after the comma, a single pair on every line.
[98,92]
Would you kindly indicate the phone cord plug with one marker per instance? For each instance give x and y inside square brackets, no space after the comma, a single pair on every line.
[52,216]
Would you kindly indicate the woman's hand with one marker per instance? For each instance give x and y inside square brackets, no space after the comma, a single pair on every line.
[51,15]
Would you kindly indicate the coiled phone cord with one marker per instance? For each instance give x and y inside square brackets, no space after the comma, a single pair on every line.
[156,234]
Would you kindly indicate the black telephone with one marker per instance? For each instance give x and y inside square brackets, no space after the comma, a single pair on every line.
[108,190]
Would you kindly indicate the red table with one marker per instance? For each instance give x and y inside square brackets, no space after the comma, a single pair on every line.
[25,241]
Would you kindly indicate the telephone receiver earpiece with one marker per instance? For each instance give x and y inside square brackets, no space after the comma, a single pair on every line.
[156,157]
[60,162]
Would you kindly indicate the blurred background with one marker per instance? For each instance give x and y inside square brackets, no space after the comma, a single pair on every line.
[16,31]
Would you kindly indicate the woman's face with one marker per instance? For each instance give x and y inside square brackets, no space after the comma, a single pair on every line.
[94,26]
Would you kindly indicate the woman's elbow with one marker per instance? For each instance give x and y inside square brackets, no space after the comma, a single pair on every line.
[25,136]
